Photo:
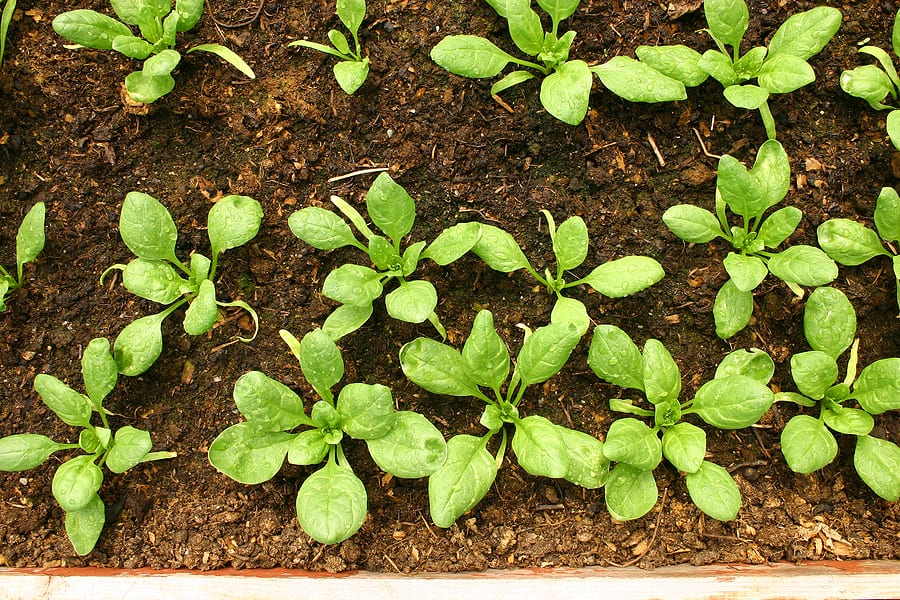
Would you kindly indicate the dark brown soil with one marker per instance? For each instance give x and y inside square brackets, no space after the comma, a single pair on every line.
[66,140]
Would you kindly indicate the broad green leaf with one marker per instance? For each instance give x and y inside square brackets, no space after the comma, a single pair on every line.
[588,467]
[132,46]
[848,242]
[413,301]
[485,356]
[462,481]
[638,82]
[331,504]
[869,83]
[746,272]
[878,387]
[570,244]
[719,66]
[748,66]
[692,223]
[137,12]
[410,259]
[161,64]
[525,27]
[545,352]
[803,265]
[511,80]
[452,243]
[662,379]
[630,492]
[147,228]
[714,491]
[613,357]
[73,408]
[631,442]
[98,370]
[154,280]
[413,447]
[887,206]
[76,482]
[559,10]
[189,13]
[784,73]
[814,372]
[437,368]
[753,363]
[89,28]
[805,34]
[139,344]
[739,190]
[233,221]
[351,74]
[829,321]
[366,410]
[570,311]
[346,319]
[684,445]
[326,418]
[23,451]
[731,310]
[849,421]
[540,447]
[470,56]
[321,362]
[169,31]
[732,402]
[353,284]
[499,250]
[678,62]
[199,267]
[625,276]
[339,41]
[351,13]
[307,448]
[228,56]
[807,444]
[321,229]
[148,88]
[383,254]
[30,237]
[130,447]
[267,403]
[202,312]
[84,526]
[727,20]
[746,96]
[771,172]
[249,455]
[565,92]
[779,226]
[877,462]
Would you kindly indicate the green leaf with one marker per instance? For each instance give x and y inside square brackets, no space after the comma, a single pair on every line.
[353,284]
[268,404]
[630,492]
[132,46]
[84,526]
[807,444]
[320,47]
[351,13]
[228,56]
[202,312]
[462,481]
[351,74]
[746,96]
[233,221]
[803,265]
[613,357]
[5,19]
[565,92]
[545,352]
[732,402]
[138,12]
[559,10]
[511,80]
[366,410]
[829,321]
[307,448]
[89,28]
[692,223]
[499,250]
[452,243]
[753,363]
[631,442]
[779,226]
[625,276]
[23,451]
[189,13]
[4,288]
[540,447]
[748,66]
[588,467]
[771,172]
[662,379]
[485,356]
[437,368]
[339,41]
[525,27]
[678,62]
[470,56]
[98,370]
[684,445]
[848,242]
[714,491]
[413,301]
[570,311]
[727,20]
[638,82]
[719,66]
[887,209]
[346,319]
[148,88]
[139,344]
[76,482]
[805,34]
[739,190]
[877,462]
[784,73]
[746,272]
[869,83]
[849,421]
[570,244]
[413,447]
[321,362]
[814,372]
[731,310]
[331,504]
[410,259]
[147,228]
[249,455]
[130,447]
[878,387]
[73,408]
[383,254]
[153,279]
[30,238]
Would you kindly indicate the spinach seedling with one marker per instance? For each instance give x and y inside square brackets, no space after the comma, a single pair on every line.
[617,278]
[353,68]
[30,241]
[157,274]
[566,84]
[542,447]
[78,479]
[736,397]
[829,324]
[393,211]
[874,84]
[851,243]
[158,24]
[780,68]
[750,194]
[331,503]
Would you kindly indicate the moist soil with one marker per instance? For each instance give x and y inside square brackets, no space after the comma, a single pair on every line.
[67,140]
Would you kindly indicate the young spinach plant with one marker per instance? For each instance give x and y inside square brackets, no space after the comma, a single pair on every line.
[851,243]
[750,194]
[780,68]
[566,84]
[617,278]
[353,69]
[829,324]
[542,447]
[735,398]
[157,274]
[331,503]
[158,24]
[874,84]
[77,481]
[355,286]
[30,241]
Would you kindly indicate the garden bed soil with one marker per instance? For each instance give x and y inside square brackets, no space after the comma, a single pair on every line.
[66,139]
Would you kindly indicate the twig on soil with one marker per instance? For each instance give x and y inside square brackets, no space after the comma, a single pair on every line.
[500,101]
[752,463]
[703,146]
[659,156]
[393,564]
[427,526]
[360,172]
[244,23]
[662,506]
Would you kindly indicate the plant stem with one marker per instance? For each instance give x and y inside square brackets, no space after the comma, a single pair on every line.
[768,120]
